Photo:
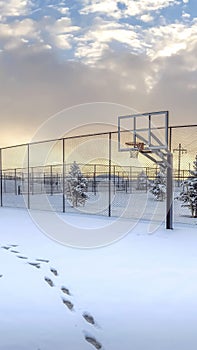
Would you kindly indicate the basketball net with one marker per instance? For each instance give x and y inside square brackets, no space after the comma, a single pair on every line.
[137,147]
[134,153]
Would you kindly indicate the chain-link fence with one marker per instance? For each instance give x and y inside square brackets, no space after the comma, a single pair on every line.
[37,176]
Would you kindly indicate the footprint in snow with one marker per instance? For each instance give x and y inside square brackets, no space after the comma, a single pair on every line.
[13,245]
[37,265]
[68,303]
[54,271]
[1,276]
[14,251]
[5,247]
[21,257]
[42,260]
[49,281]
[89,318]
[93,341]
[65,290]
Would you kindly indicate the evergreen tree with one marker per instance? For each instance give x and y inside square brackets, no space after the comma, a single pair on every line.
[158,189]
[76,186]
[142,181]
[188,194]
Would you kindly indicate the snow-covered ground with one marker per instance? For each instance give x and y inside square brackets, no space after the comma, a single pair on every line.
[141,290]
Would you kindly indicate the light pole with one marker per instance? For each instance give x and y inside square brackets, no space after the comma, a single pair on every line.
[180,151]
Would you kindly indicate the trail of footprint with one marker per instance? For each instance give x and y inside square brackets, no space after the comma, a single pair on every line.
[93,341]
[88,318]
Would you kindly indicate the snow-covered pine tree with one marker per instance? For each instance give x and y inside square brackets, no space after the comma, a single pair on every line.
[188,194]
[76,186]
[158,188]
[142,181]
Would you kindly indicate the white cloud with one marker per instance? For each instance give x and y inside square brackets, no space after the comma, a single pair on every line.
[131,8]
[63,10]
[61,32]
[144,6]
[146,18]
[63,41]
[57,33]
[14,8]
[60,7]
[185,15]
[19,33]
[102,34]
[170,40]
[108,7]
[63,25]
[24,28]
[91,53]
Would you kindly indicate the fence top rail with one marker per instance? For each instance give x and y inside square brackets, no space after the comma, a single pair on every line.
[182,126]
[81,136]
[58,139]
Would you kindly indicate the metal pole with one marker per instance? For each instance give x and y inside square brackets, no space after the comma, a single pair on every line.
[169,199]
[170,139]
[1,180]
[15,182]
[114,177]
[109,209]
[130,179]
[51,179]
[32,181]
[166,129]
[146,179]
[94,180]
[63,174]
[28,177]
[4,182]
[180,151]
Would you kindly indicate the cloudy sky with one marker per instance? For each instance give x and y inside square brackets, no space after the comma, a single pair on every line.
[58,54]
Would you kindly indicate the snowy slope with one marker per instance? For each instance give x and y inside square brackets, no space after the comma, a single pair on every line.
[141,290]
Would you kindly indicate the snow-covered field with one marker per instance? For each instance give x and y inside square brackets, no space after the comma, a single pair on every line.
[138,293]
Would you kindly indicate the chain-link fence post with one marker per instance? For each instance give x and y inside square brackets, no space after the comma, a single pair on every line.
[109,172]
[28,176]
[169,199]
[63,174]
[1,180]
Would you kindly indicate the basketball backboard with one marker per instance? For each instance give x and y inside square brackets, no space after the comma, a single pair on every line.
[149,129]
